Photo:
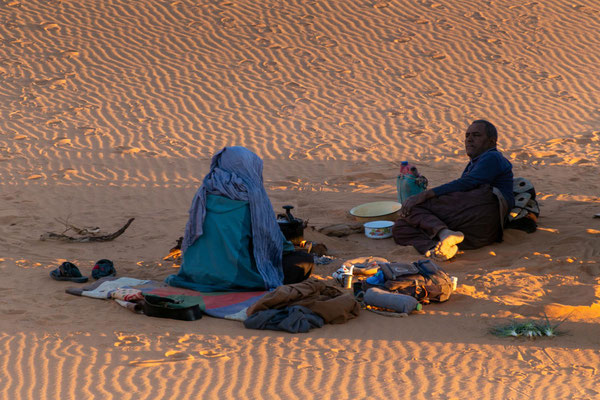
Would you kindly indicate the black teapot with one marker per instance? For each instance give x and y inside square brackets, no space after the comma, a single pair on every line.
[292,228]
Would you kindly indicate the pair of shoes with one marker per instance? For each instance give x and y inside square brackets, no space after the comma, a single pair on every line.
[68,272]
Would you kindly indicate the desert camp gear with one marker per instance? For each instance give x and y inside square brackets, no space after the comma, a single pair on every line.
[397,302]
[525,213]
[292,228]
[103,268]
[293,319]
[328,302]
[424,280]
[409,182]
[174,307]
[68,272]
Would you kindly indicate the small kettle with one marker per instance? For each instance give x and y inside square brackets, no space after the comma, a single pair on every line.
[292,228]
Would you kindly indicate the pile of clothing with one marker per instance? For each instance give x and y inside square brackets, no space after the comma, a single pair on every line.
[302,306]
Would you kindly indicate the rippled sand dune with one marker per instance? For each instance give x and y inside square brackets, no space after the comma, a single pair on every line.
[112,110]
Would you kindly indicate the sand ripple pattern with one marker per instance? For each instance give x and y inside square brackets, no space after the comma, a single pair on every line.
[193,366]
[164,82]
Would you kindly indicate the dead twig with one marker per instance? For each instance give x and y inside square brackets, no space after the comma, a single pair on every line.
[83,239]
[93,231]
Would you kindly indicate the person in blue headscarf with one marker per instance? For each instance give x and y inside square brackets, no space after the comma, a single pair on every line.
[232,241]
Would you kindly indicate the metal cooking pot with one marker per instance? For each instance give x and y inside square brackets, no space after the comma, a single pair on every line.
[292,228]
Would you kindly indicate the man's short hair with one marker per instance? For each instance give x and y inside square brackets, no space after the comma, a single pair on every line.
[490,129]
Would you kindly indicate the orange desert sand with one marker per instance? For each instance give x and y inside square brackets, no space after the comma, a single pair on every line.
[113,109]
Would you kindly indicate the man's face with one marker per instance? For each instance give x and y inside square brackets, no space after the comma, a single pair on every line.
[477,141]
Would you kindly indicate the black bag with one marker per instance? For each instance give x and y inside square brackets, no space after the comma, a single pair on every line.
[167,307]
[424,280]
[526,211]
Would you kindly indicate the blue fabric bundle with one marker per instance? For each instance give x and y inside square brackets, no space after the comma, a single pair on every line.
[294,319]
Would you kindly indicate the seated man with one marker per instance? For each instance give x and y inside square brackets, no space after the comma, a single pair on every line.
[470,210]
[232,241]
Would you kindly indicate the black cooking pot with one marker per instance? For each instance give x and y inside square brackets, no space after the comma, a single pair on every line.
[292,228]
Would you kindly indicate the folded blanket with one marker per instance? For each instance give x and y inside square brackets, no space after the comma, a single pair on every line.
[227,305]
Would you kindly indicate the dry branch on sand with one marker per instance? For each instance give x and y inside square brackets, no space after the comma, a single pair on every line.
[87,235]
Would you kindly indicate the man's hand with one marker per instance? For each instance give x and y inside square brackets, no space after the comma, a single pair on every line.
[415,200]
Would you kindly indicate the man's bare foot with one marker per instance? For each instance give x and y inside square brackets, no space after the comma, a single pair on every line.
[447,246]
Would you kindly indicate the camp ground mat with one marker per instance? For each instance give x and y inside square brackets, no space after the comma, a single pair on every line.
[228,305]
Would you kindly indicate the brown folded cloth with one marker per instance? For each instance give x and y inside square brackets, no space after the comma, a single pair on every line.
[329,302]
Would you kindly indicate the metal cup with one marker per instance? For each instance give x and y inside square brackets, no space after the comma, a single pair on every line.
[347,281]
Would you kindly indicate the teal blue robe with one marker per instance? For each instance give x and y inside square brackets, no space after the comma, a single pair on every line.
[222,259]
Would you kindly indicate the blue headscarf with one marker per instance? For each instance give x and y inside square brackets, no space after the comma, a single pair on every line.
[236,173]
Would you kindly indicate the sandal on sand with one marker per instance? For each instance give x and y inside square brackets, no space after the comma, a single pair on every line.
[103,268]
[68,272]
[439,256]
